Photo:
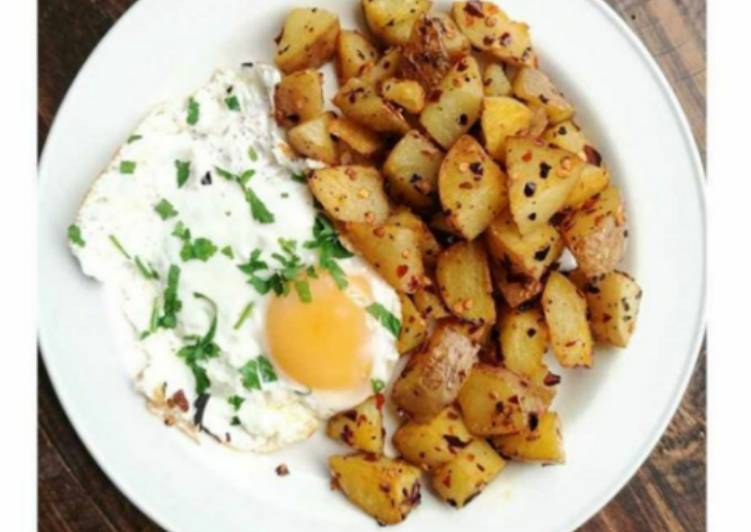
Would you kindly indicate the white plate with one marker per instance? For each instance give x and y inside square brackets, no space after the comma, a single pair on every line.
[613,415]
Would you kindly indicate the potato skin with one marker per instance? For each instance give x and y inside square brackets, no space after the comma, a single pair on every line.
[353,53]
[472,187]
[311,139]
[464,282]
[298,97]
[515,288]
[544,444]
[351,193]
[425,57]
[392,20]
[434,375]
[412,170]
[308,39]
[360,427]
[535,88]
[384,488]
[566,315]
[360,102]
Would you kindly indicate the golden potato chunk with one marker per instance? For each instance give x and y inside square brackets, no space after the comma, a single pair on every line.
[308,39]
[455,105]
[414,330]
[429,246]
[543,444]
[384,488]
[434,442]
[566,315]
[430,304]
[472,187]
[360,427]
[392,20]
[462,479]
[454,41]
[406,93]
[515,288]
[311,139]
[435,44]
[351,194]
[360,102]
[535,88]
[495,81]
[524,339]
[596,233]
[503,117]
[298,98]
[434,375]
[362,140]
[353,53]
[412,170]
[385,68]
[463,278]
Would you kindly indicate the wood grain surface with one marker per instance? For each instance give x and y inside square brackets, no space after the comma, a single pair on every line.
[668,492]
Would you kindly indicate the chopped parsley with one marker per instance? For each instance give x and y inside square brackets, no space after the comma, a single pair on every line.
[201,349]
[183,172]
[153,321]
[378,385]
[119,246]
[74,235]
[266,369]
[245,177]
[235,421]
[227,252]
[326,241]
[303,291]
[165,209]
[249,373]
[172,305]
[147,271]
[194,112]
[127,167]
[252,155]
[134,138]
[236,401]
[298,177]
[290,272]
[258,209]
[386,318]
[244,315]
[199,248]
[233,104]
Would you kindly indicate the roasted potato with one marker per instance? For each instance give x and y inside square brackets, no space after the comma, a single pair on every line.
[360,102]
[535,88]
[463,478]
[429,246]
[524,339]
[463,278]
[311,139]
[360,427]
[385,68]
[392,20]
[394,251]
[406,93]
[362,140]
[495,81]
[353,53]
[596,233]
[426,57]
[298,98]
[351,194]
[613,301]
[497,401]
[308,39]
[489,29]
[412,170]
[385,488]
[592,180]
[430,304]
[434,442]
[530,254]
[414,330]
[540,180]
[566,315]
[543,444]
[515,288]
[455,105]
[539,123]
[503,117]
[454,41]
[434,375]
[472,187]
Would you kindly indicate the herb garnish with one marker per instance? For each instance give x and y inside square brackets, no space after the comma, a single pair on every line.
[236,401]
[172,305]
[127,167]
[228,252]
[134,138]
[74,235]
[266,369]
[299,177]
[252,155]
[378,385]
[153,321]
[183,172]
[249,373]
[326,241]
[258,209]
[147,271]
[119,246]
[194,111]
[244,315]
[386,318]
[200,248]
[201,349]
[232,103]
[165,209]
[291,271]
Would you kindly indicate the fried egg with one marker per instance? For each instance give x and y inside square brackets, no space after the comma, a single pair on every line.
[251,321]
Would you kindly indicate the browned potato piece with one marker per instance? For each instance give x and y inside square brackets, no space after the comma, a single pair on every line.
[544,444]
[535,88]
[360,102]
[429,246]
[353,53]
[456,43]
[414,330]
[495,81]
[530,254]
[596,233]
[539,123]
[406,93]
[384,488]
[394,251]
[524,339]
[298,98]
[489,29]
[386,67]
[434,375]
[392,20]
[351,194]
[515,288]
[540,180]
[462,479]
[435,44]
[412,170]
[497,401]
[357,137]
[430,304]
[311,139]
[472,187]
[435,442]
[360,427]
[308,39]
[455,105]
[463,278]
[566,315]
[349,157]
[503,117]
[613,301]
[592,180]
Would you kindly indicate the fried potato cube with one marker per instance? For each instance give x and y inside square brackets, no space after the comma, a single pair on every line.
[503,117]
[430,304]
[392,20]
[462,479]
[515,288]
[524,339]
[543,444]
[454,41]
[353,53]
[360,102]
[412,170]
[384,488]
[434,375]
[311,139]
[362,140]
[298,97]
[429,246]
[472,187]
[385,68]
[495,81]
[535,88]
[406,93]
[566,315]
[308,39]
[454,107]
[434,442]
[351,194]
[360,427]
[434,45]
[596,233]
[414,330]
[463,278]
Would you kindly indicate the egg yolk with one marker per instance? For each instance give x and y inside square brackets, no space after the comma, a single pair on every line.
[322,344]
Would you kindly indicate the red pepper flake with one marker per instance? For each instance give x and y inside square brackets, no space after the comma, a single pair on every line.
[527,157]
[593,156]
[505,40]
[380,400]
[282,470]
[179,400]
[487,40]
[544,99]
[402,270]
[455,441]
[514,400]
[551,379]
[435,95]
[606,318]
[474,8]
[446,481]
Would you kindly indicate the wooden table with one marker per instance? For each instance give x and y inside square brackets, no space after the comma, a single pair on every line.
[668,492]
